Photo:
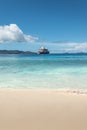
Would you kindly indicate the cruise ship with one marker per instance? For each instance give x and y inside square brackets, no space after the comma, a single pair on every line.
[43,50]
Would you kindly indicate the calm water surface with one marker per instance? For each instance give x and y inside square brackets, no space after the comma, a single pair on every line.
[43,71]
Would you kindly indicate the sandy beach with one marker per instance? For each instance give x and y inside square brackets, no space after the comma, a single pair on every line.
[42,110]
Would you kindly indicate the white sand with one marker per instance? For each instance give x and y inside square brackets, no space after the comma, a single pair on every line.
[42,110]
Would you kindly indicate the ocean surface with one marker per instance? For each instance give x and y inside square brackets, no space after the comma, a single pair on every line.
[43,71]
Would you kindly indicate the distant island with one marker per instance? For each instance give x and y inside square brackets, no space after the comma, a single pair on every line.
[42,50]
[38,52]
[16,52]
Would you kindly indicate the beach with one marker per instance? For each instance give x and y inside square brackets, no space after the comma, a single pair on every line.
[27,109]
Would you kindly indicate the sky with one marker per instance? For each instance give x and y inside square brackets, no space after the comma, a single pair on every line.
[59,25]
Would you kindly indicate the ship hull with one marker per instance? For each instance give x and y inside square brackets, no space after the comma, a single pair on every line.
[43,53]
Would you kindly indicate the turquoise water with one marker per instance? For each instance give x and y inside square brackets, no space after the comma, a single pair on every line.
[43,71]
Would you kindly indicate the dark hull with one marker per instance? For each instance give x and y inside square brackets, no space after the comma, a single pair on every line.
[43,53]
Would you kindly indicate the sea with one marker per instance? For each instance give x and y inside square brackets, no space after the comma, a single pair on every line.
[52,71]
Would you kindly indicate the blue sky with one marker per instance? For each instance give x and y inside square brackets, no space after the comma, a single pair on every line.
[60,25]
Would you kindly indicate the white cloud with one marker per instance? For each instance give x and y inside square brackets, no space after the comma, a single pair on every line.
[76,47]
[70,47]
[12,33]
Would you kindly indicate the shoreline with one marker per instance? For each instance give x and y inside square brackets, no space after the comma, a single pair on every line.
[67,91]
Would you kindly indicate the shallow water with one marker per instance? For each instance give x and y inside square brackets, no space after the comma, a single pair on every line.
[43,71]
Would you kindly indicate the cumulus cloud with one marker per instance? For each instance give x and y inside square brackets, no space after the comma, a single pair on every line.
[12,33]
